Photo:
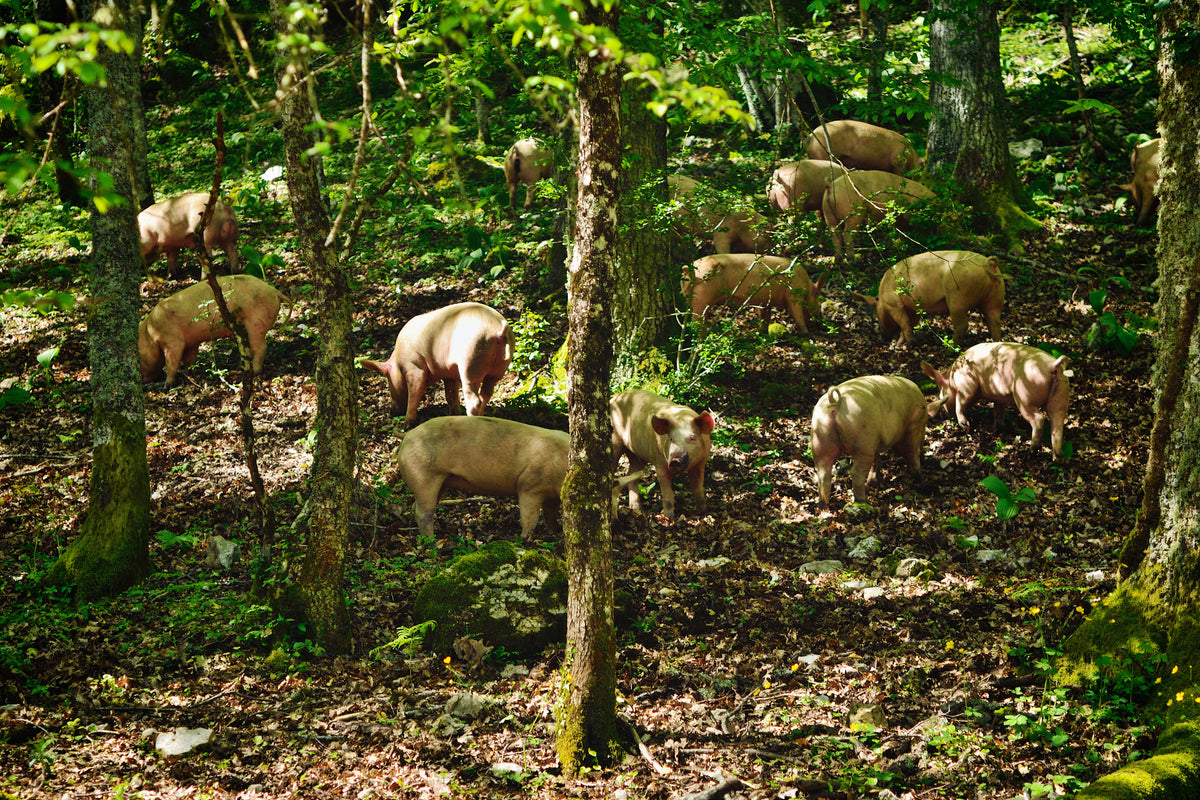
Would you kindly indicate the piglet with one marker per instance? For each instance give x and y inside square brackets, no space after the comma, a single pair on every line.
[483,455]
[858,196]
[862,418]
[739,279]
[859,145]
[801,184]
[697,214]
[1008,374]
[1145,160]
[526,162]
[169,226]
[939,282]
[650,429]
[173,331]
[467,345]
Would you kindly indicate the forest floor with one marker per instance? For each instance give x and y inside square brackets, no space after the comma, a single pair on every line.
[737,663]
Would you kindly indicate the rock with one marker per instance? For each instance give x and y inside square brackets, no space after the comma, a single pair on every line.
[866,548]
[181,741]
[821,567]
[914,568]
[988,556]
[467,705]
[1095,576]
[872,592]
[1026,148]
[503,595]
[222,552]
[864,714]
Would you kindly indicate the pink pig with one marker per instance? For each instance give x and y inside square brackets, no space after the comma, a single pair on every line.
[484,455]
[1008,374]
[1145,161]
[860,145]
[526,162]
[467,345]
[738,230]
[862,418]
[650,429]
[939,282]
[858,196]
[737,279]
[802,184]
[169,226]
[173,331]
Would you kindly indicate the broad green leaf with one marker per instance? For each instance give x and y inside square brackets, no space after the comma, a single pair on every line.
[997,487]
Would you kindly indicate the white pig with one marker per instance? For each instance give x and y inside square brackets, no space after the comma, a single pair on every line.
[739,230]
[802,184]
[169,226]
[1008,374]
[1145,161]
[862,418]
[860,145]
[858,196]
[174,329]
[484,455]
[737,279]
[465,345]
[939,282]
[526,162]
[650,429]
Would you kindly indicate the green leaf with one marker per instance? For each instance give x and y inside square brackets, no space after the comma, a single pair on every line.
[997,487]
[1096,298]
[1005,509]
[1026,495]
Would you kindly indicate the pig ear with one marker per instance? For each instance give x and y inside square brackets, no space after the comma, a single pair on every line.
[871,301]
[661,425]
[820,284]
[932,408]
[704,422]
[928,369]
[378,366]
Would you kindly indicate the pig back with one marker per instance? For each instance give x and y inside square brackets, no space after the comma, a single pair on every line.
[458,335]
[252,301]
[871,413]
[870,191]
[860,145]
[802,181]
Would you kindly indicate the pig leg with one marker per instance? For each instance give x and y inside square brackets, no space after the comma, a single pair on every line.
[992,317]
[696,479]
[473,393]
[1056,435]
[667,489]
[417,383]
[635,498]
[862,472]
[175,354]
[453,387]
[958,319]
[723,241]
[425,501]
[172,257]
[797,315]
[530,506]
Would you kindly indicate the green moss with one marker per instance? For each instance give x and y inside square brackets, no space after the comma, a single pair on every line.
[1172,772]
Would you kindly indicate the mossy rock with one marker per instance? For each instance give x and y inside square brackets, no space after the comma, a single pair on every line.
[508,597]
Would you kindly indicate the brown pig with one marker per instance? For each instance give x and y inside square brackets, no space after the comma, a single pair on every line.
[858,196]
[859,145]
[169,226]
[650,429]
[1008,374]
[483,455]
[741,279]
[526,162]
[801,184]
[739,230]
[1144,160]
[173,331]
[467,345]
[939,282]
[862,418]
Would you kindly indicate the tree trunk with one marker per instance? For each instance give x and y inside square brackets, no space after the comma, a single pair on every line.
[647,282]
[1156,609]
[587,715]
[112,551]
[968,134]
[875,36]
[318,598]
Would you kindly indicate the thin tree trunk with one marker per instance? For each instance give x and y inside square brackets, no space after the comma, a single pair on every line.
[876,29]
[112,552]
[754,101]
[1068,14]
[318,597]
[587,717]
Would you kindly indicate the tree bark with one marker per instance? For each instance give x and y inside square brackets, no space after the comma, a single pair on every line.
[875,36]
[647,281]
[968,135]
[587,714]
[1155,611]
[318,598]
[112,551]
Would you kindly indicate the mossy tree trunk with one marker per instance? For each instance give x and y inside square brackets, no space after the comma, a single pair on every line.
[587,706]
[968,132]
[1155,610]
[647,280]
[112,551]
[318,596]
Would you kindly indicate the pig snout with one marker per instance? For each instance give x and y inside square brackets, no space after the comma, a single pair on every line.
[678,461]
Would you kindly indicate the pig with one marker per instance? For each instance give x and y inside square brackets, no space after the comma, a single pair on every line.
[484,455]
[862,418]
[859,145]
[168,226]
[737,279]
[802,184]
[1144,160]
[650,429]
[173,331]
[526,162]
[740,230]
[1007,374]
[939,282]
[857,196]
[465,344]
